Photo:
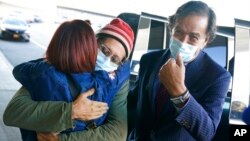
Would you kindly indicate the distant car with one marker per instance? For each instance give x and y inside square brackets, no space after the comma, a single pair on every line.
[37,19]
[14,28]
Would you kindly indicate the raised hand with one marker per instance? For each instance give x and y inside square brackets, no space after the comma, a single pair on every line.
[172,76]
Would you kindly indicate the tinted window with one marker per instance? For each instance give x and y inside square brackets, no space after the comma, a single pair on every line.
[217,50]
[156,40]
[218,54]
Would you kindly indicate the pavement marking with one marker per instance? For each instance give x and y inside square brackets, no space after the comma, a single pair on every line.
[38,44]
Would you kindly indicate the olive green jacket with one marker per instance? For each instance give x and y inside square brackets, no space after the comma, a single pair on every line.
[55,116]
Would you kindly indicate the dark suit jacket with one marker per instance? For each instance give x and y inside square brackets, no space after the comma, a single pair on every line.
[208,85]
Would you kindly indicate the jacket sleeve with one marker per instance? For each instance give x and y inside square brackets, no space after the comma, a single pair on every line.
[23,72]
[25,113]
[246,115]
[202,121]
[54,116]
[114,128]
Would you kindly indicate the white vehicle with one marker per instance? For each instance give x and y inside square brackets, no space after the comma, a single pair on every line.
[14,28]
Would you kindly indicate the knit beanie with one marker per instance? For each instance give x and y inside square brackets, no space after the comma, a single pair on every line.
[121,31]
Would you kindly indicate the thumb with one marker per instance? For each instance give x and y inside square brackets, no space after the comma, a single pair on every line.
[88,93]
[179,60]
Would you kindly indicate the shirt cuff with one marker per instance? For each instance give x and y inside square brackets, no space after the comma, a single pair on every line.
[180,109]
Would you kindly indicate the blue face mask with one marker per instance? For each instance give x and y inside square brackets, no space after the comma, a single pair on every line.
[187,51]
[104,63]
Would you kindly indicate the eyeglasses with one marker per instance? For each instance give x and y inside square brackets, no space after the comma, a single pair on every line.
[106,51]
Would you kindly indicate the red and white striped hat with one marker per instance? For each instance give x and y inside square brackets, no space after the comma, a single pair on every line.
[121,31]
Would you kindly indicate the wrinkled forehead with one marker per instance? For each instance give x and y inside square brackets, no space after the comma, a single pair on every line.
[196,24]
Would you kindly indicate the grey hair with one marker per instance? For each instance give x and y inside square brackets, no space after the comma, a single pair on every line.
[196,8]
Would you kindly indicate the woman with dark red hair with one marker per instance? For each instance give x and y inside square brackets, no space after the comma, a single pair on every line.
[71,67]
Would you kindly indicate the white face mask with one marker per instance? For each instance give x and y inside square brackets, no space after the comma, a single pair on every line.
[187,51]
[104,63]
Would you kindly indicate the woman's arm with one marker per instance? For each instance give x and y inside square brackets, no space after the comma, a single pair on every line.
[82,109]
[114,128]
[23,112]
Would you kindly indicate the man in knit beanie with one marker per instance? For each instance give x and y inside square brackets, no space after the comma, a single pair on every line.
[115,44]
[119,30]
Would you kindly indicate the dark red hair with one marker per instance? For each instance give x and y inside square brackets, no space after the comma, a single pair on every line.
[73,48]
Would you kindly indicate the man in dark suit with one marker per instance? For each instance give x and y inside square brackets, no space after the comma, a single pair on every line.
[181,90]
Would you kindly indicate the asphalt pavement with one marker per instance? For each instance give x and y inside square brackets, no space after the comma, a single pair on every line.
[8,87]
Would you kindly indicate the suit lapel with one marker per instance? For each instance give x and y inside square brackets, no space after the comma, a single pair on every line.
[154,79]
[193,72]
